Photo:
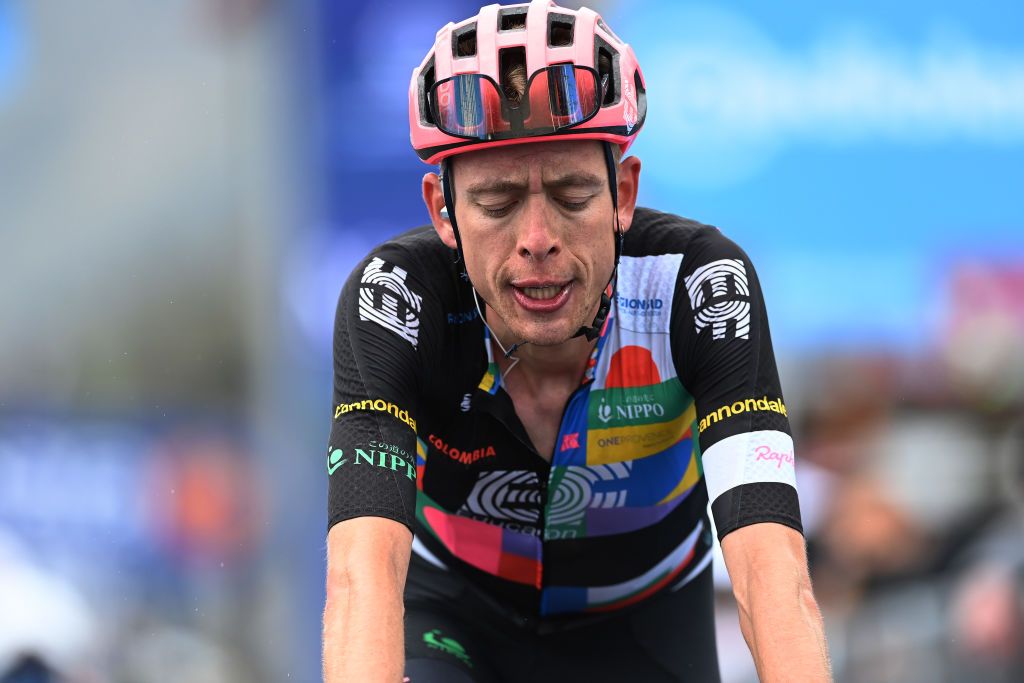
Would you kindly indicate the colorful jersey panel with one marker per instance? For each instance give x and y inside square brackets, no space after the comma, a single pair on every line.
[683,367]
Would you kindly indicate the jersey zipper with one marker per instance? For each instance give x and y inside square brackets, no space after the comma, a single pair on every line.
[545,487]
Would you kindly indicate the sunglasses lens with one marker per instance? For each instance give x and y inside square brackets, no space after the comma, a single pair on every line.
[470,105]
[467,106]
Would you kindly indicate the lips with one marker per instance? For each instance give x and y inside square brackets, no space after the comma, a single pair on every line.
[541,297]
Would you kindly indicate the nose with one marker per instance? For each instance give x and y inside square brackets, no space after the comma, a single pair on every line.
[538,238]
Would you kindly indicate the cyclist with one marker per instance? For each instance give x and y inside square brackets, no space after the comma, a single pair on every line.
[537,395]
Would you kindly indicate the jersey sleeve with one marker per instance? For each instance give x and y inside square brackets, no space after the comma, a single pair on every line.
[381,330]
[722,341]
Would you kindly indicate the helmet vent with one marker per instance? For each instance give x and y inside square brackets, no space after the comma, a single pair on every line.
[512,19]
[606,58]
[427,79]
[560,30]
[512,66]
[641,96]
[464,41]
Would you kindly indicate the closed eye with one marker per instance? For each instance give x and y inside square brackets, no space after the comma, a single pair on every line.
[499,211]
[573,205]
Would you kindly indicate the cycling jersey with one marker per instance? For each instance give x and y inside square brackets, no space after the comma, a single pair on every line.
[680,404]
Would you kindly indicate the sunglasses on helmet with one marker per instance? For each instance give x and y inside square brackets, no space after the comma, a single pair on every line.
[473,106]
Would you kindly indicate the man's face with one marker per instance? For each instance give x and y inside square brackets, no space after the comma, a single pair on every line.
[538,234]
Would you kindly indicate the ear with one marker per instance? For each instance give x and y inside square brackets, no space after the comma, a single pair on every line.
[433,197]
[629,184]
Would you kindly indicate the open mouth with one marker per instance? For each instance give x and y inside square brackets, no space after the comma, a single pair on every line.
[542,293]
[542,297]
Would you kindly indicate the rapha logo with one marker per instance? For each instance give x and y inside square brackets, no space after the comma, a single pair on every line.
[385,299]
[778,457]
[465,405]
[720,295]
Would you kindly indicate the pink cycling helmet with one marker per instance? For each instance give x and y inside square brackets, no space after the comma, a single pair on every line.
[579,81]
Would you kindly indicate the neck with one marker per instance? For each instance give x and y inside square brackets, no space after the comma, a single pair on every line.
[537,365]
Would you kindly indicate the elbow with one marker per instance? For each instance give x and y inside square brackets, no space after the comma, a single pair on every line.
[369,566]
[367,560]
[351,592]
[808,603]
[338,586]
[788,585]
[349,580]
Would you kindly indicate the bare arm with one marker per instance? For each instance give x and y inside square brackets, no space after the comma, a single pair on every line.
[367,562]
[779,616]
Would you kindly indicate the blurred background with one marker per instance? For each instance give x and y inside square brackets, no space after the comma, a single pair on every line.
[185,185]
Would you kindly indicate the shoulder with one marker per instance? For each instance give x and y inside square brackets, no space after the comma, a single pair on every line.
[685,266]
[419,252]
[654,233]
[401,289]
[415,265]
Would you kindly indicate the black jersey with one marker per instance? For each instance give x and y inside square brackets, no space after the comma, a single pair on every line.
[680,404]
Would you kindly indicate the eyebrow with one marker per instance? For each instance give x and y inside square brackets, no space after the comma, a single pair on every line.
[574,179]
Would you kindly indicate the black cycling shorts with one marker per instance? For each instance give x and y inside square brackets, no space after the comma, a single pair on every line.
[455,634]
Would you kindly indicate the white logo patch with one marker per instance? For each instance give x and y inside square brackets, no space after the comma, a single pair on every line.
[509,497]
[644,292]
[715,295]
[505,496]
[385,299]
[749,458]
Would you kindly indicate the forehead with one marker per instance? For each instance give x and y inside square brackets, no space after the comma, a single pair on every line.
[525,160]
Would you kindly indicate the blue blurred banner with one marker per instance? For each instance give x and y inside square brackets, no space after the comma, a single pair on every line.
[106,495]
[859,153]
[13,47]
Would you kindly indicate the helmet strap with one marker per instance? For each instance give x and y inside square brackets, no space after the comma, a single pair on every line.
[593,331]
[449,205]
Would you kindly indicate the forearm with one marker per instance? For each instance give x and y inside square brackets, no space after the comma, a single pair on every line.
[363,631]
[784,629]
[367,562]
